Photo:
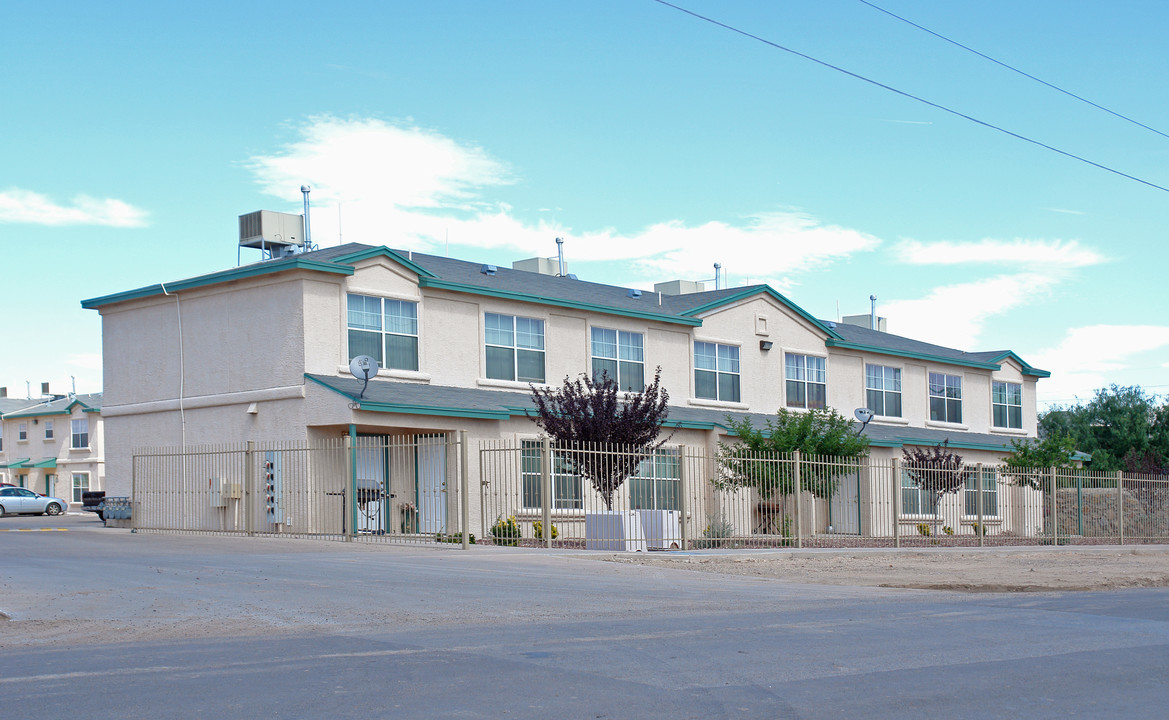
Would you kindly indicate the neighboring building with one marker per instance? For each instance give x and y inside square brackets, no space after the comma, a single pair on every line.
[261,352]
[54,445]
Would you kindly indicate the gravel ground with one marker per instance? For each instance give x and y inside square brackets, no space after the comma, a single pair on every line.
[1026,569]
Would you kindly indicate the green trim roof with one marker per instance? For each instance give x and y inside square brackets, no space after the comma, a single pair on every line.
[911,354]
[16,463]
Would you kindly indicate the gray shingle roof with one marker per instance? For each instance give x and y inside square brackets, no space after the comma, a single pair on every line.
[388,396]
[34,408]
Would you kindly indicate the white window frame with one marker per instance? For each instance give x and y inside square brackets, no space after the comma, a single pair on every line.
[946,396]
[806,373]
[48,429]
[22,431]
[657,483]
[403,326]
[1006,405]
[76,437]
[888,375]
[78,489]
[567,488]
[535,345]
[924,499]
[990,494]
[726,366]
[1,437]
[627,357]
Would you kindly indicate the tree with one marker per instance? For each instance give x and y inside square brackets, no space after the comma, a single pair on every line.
[1030,459]
[1113,424]
[757,459]
[599,432]
[936,471]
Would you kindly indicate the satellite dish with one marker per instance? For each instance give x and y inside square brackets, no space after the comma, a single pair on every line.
[363,367]
[864,415]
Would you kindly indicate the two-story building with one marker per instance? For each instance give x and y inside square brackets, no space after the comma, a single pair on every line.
[262,351]
[53,445]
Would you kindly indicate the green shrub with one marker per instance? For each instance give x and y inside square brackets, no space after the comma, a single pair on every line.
[456,538]
[947,530]
[716,534]
[506,531]
[539,529]
[924,529]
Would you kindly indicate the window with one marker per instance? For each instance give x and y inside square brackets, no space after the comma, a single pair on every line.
[946,398]
[50,484]
[80,438]
[621,355]
[883,390]
[716,371]
[807,381]
[1006,404]
[515,348]
[566,487]
[22,481]
[22,431]
[914,500]
[48,429]
[384,329]
[655,486]
[990,495]
[80,485]
[1,436]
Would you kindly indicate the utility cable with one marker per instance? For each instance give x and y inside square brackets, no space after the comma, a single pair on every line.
[1013,68]
[911,96]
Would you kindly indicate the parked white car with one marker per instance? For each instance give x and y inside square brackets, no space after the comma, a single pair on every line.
[22,501]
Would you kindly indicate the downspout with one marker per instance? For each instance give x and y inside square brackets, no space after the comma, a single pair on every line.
[182,367]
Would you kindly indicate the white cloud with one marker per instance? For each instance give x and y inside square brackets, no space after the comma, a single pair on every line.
[25,206]
[379,183]
[1089,357]
[1049,254]
[954,315]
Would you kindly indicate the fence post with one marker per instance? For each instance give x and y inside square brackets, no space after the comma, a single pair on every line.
[347,491]
[1054,510]
[683,505]
[1120,503]
[978,499]
[249,481]
[134,511]
[546,489]
[799,525]
[896,502]
[464,490]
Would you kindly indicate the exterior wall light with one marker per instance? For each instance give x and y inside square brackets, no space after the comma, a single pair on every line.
[765,344]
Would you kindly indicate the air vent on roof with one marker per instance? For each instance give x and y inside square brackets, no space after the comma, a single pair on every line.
[265,229]
[488,269]
[634,293]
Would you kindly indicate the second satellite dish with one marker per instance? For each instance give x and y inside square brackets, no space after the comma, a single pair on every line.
[363,367]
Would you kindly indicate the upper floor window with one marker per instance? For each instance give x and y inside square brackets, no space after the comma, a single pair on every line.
[1,437]
[716,371]
[48,429]
[22,431]
[946,398]
[80,435]
[883,390]
[515,348]
[620,355]
[807,381]
[384,329]
[1006,404]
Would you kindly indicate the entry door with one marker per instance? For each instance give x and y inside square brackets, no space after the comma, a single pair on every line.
[371,480]
[431,462]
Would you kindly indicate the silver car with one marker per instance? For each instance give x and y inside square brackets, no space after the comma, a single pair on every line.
[21,501]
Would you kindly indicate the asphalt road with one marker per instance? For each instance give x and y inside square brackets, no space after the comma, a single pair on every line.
[105,623]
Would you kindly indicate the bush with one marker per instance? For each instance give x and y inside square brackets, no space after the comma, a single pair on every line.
[924,529]
[456,538]
[947,529]
[717,531]
[539,529]
[506,531]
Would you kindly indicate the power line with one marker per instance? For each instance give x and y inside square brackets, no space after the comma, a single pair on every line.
[1014,69]
[911,96]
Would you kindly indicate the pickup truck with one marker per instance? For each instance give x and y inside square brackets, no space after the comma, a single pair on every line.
[92,500]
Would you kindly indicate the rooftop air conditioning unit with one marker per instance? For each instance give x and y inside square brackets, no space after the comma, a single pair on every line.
[266,229]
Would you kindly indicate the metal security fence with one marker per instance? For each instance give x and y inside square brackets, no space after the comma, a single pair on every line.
[370,488]
[691,498]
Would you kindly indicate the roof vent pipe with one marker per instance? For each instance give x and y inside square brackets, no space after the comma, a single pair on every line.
[873,316]
[560,257]
[718,276]
[308,243]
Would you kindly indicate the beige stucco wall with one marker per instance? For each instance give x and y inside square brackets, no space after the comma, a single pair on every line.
[89,460]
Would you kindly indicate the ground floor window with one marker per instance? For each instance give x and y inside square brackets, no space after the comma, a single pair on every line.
[990,495]
[566,486]
[80,485]
[914,500]
[655,486]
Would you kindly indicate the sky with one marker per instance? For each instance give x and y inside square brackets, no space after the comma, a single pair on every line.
[830,148]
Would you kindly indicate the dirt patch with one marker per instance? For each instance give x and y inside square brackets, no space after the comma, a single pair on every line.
[981,570]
